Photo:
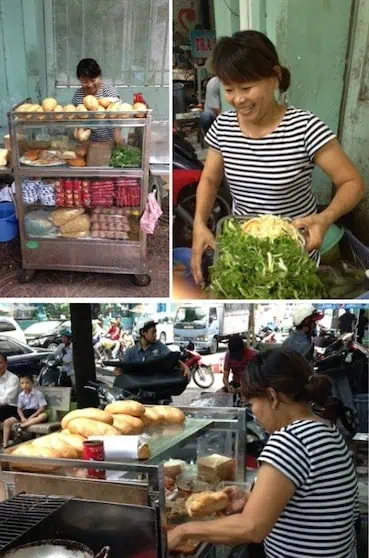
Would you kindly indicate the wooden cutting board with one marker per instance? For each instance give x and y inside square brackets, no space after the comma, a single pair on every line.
[99,153]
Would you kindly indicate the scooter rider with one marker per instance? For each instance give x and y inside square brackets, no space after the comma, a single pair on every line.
[149,348]
[304,321]
[65,353]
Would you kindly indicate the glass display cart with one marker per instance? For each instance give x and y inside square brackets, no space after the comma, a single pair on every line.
[82,182]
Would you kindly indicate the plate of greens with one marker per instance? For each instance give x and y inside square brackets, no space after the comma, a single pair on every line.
[126,156]
[262,258]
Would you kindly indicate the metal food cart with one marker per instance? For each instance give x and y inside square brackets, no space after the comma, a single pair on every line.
[127,510]
[32,130]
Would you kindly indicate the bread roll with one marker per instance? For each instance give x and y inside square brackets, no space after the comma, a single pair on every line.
[23,108]
[104,102]
[91,103]
[126,408]
[170,415]
[29,450]
[74,440]
[128,425]
[101,112]
[57,442]
[140,110]
[89,427]
[126,110]
[58,108]
[89,412]
[49,104]
[150,418]
[144,452]
[113,107]
[82,111]
[203,504]
[70,108]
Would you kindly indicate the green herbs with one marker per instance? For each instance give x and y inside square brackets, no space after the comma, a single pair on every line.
[253,268]
[126,156]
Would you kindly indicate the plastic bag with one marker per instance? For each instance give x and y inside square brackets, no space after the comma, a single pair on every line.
[150,215]
[37,223]
[79,224]
[61,216]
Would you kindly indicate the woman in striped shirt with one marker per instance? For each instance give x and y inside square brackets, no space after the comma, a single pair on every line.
[266,150]
[92,83]
[304,503]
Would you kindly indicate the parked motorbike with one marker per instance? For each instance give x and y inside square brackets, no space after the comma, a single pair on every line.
[51,373]
[107,394]
[201,373]
[187,169]
[346,362]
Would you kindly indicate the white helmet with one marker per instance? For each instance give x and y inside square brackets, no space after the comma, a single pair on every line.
[306,311]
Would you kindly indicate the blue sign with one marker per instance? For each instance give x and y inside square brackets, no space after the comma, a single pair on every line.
[202,43]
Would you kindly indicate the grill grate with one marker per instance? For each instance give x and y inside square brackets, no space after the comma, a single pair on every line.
[23,512]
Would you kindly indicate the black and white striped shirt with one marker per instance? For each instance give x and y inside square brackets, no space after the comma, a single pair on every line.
[272,174]
[106,90]
[319,519]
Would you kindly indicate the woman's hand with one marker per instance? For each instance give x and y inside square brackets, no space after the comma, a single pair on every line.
[316,225]
[237,499]
[175,537]
[202,239]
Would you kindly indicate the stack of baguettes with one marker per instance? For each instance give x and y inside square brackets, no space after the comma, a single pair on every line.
[127,418]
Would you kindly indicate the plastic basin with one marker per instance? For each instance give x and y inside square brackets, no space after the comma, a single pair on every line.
[8,222]
[182,257]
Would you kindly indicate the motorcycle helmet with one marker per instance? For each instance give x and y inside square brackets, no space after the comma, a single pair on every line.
[66,332]
[305,312]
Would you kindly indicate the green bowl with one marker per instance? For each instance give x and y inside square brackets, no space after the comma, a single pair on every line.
[332,237]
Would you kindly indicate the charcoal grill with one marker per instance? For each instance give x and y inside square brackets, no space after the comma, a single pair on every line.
[28,518]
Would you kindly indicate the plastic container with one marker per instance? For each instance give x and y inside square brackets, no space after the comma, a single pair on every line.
[361,403]
[182,256]
[330,249]
[361,252]
[8,222]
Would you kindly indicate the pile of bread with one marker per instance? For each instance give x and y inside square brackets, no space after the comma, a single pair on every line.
[127,418]
[104,107]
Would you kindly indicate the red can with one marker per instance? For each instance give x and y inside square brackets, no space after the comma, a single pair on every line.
[93,450]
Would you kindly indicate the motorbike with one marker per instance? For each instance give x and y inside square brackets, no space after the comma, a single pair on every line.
[187,169]
[201,373]
[51,373]
[110,394]
[346,362]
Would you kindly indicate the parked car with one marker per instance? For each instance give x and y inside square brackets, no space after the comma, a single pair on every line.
[21,357]
[10,328]
[46,335]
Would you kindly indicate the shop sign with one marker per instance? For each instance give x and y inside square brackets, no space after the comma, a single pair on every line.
[202,43]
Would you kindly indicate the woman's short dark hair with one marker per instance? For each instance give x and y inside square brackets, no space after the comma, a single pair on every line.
[247,56]
[288,373]
[4,357]
[236,347]
[88,68]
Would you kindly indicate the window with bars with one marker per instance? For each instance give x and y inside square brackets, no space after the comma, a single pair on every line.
[128,39]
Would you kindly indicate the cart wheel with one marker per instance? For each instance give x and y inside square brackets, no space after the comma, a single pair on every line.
[141,280]
[25,275]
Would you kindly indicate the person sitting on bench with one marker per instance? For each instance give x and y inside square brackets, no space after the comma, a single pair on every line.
[30,410]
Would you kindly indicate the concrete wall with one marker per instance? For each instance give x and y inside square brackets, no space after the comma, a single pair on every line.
[26,63]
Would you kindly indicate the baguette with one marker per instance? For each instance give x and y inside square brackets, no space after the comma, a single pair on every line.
[128,425]
[126,408]
[203,504]
[74,440]
[58,443]
[29,450]
[143,452]
[88,427]
[90,413]
[169,415]
[150,418]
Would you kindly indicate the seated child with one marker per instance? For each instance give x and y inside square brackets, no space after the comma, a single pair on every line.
[31,408]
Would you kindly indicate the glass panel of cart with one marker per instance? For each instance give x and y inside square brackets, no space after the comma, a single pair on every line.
[77,144]
[103,208]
